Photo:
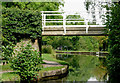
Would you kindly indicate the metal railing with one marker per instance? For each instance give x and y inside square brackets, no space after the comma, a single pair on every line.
[63,20]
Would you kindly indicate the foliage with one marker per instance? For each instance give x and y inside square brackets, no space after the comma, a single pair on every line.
[26,62]
[113,24]
[103,43]
[77,43]
[47,49]
[21,23]
[95,5]
[18,24]
[41,6]
[78,17]
[22,20]
[7,52]
[87,43]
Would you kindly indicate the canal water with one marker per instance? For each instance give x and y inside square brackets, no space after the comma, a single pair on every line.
[84,67]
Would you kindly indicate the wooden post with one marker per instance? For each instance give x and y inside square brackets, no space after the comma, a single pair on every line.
[40,45]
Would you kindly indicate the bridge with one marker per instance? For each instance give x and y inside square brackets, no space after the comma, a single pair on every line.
[56,23]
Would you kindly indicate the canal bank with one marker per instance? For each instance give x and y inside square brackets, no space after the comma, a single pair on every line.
[52,74]
[52,69]
[83,53]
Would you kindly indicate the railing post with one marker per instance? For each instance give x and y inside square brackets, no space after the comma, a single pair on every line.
[64,23]
[87,26]
[97,54]
[44,20]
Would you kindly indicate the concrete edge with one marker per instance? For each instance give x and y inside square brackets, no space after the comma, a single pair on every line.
[54,74]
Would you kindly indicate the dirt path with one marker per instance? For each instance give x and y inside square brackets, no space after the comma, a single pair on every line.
[51,64]
[5,71]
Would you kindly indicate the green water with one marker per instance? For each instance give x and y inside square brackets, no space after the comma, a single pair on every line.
[84,68]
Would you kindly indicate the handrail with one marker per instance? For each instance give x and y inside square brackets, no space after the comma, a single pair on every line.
[63,19]
[70,11]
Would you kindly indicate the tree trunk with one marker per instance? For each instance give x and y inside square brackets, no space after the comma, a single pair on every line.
[40,45]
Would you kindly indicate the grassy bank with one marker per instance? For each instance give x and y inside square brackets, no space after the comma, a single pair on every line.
[50,57]
[10,76]
[78,51]
[7,67]
[13,76]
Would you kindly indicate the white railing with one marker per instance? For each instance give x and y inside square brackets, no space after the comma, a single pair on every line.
[65,20]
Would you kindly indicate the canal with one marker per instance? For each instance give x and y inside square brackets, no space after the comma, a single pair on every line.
[84,68]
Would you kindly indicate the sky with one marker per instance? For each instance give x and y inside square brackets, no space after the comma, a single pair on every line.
[75,6]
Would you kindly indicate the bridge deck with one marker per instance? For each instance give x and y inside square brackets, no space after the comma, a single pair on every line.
[93,30]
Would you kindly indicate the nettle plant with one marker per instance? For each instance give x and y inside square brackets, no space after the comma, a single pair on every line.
[26,62]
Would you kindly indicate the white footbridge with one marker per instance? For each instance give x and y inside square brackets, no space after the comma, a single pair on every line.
[56,23]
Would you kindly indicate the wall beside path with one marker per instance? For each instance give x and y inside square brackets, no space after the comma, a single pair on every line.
[25,42]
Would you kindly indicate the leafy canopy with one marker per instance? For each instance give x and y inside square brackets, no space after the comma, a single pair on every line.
[113,24]
[19,24]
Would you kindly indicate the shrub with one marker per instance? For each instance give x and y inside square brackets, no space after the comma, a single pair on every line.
[16,25]
[7,52]
[26,63]
[47,49]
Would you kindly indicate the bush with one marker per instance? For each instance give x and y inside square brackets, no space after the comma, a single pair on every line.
[16,25]
[26,63]
[47,49]
[7,52]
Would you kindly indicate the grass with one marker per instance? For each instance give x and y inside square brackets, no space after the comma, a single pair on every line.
[7,67]
[49,57]
[10,76]
[51,68]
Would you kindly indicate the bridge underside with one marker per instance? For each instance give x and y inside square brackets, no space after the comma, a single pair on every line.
[73,31]
[74,34]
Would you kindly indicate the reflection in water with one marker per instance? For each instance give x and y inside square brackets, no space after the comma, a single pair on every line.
[84,68]
[92,79]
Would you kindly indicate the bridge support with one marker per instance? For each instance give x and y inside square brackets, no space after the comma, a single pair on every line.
[64,23]
[40,45]
[87,26]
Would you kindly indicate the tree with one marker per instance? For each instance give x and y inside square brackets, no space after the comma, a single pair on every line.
[95,5]
[19,24]
[41,6]
[21,19]
[113,24]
